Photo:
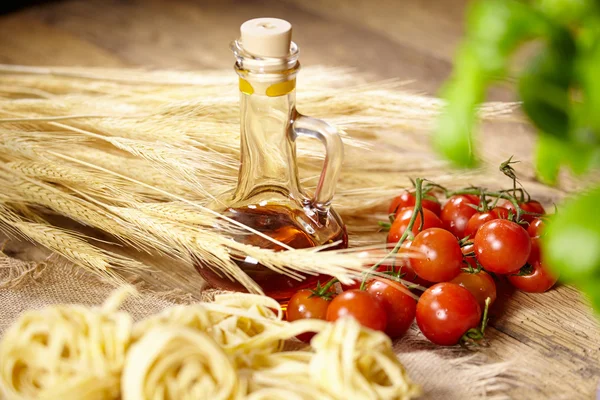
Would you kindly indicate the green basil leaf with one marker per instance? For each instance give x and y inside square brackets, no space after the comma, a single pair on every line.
[572,242]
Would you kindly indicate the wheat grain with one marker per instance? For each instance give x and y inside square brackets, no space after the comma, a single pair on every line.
[78,251]
[36,192]
[138,154]
[178,212]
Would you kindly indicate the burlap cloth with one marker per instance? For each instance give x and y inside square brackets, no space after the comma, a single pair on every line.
[443,373]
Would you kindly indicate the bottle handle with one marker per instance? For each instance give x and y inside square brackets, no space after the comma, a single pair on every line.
[334,156]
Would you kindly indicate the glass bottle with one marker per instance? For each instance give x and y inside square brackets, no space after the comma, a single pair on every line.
[268,196]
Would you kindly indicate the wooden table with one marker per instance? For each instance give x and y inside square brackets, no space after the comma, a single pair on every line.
[553,337]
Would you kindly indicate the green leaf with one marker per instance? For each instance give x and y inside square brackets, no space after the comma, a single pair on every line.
[566,11]
[552,152]
[545,85]
[587,71]
[591,288]
[453,136]
[572,242]
[495,28]
[548,157]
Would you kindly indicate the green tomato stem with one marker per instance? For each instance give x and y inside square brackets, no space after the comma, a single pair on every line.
[498,195]
[329,284]
[416,211]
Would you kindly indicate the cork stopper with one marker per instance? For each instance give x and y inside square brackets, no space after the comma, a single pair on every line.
[266,37]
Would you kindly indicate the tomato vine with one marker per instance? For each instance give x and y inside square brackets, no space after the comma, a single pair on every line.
[559,91]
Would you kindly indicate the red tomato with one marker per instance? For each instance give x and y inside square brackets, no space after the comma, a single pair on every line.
[530,206]
[473,198]
[399,305]
[408,199]
[445,312]
[358,281]
[502,246]
[539,281]
[506,204]
[468,249]
[536,227]
[403,218]
[442,255]
[456,213]
[476,221]
[400,264]
[533,206]
[304,305]
[432,205]
[360,305]
[409,274]
[501,212]
[404,268]
[535,255]
[469,255]
[480,284]
[352,286]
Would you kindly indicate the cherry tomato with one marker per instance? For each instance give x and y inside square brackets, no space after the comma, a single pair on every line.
[399,305]
[456,213]
[358,281]
[303,305]
[360,305]
[442,259]
[530,206]
[403,218]
[405,269]
[404,250]
[355,285]
[501,212]
[400,263]
[536,227]
[476,221]
[535,255]
[469,255]
[409,274]
[502,246]
[480,284]
[506,204]
[408,199]
[473,198]
[432,205]
[539,281]
[533,206]
[445,312]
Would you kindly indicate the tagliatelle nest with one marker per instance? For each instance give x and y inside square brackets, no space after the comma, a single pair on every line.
[137,154]
[66,352]
[226,349]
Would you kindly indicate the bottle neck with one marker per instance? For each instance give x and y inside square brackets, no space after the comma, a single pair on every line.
[268,155]
[268,107]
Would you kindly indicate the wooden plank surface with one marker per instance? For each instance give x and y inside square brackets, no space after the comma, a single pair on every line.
[553,338]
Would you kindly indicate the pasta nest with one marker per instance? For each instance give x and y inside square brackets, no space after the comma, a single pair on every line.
[227,349]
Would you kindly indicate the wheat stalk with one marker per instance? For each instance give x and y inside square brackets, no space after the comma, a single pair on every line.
[72,246]
[138,155]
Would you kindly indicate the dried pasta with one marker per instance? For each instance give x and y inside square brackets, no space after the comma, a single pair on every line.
[231,320]
[179,363]
[66,352]
[227,349]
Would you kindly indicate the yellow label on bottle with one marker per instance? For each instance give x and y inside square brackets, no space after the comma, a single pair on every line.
[246,87]
[281,88]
